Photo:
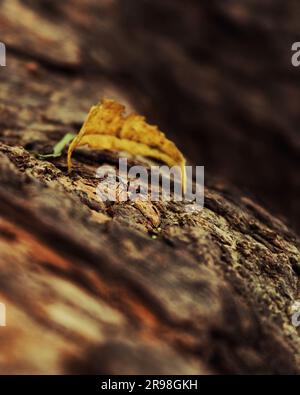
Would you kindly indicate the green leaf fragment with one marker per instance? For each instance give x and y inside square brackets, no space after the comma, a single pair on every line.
[59,147]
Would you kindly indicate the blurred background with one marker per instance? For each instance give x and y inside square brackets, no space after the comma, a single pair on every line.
[216,76]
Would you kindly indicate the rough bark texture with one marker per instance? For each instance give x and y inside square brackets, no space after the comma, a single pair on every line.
[126,287]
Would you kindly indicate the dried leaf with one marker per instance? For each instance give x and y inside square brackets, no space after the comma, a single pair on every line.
[106,127]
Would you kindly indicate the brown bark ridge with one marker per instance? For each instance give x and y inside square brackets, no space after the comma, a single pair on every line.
[127,287]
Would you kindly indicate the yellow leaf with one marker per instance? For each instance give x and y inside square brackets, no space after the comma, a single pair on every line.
[107,127]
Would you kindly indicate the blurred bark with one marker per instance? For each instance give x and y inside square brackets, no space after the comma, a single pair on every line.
[126,287]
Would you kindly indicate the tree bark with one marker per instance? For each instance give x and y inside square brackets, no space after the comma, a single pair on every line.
[126,287]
